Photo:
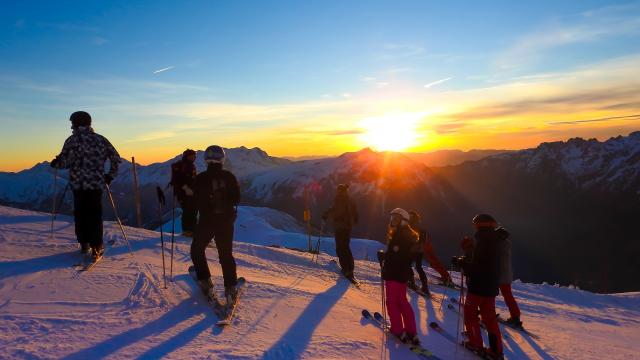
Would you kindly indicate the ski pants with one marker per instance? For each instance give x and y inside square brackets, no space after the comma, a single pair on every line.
[189,212]
[420,270]
[221,230]
[87,213]
[400,312]
[514,310]
[343,250]
[435,263]
[487,307]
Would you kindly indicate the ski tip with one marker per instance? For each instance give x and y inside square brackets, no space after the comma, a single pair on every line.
[366,313]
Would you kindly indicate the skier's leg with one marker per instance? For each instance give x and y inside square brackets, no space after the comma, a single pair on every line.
[79,215]
[347,252]
[488,313]
[514,310]
[341,244]
[408,317]
[94,218]
[224,244]
[471,321]
[202,238]
[420,270]
[392,290]
[437,265]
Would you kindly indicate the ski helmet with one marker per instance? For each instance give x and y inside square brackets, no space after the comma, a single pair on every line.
[188,153]
[214,155]
[80,118]
[401,212]
[484,220]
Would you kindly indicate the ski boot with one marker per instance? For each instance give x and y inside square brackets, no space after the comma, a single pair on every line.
[85,249]
[411,284]
[206,285]
[514,322]
[491,355]
[425,289]
[97,252]
[231,294]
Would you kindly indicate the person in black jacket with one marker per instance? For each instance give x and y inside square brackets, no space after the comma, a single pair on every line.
[402,246]
[85,153]
[217,195]
[481,266]
[183,174]
[344,215]
[414,222]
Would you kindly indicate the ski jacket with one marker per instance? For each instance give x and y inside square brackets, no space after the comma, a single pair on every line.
[217,193]
[506,269]
[402,247]
[183,172]
[84,153]
[343,213]
[482,264]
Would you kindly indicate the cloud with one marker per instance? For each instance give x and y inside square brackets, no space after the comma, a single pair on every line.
[586,27]
[434,83]
[164,69]
[611,118]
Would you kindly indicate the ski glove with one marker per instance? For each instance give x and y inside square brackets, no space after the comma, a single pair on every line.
[187,190]
[108,179]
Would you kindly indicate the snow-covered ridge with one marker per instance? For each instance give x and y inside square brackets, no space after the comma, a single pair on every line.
[292,308]
[613,164]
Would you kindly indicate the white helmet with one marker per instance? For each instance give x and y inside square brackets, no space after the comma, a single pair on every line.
[402,212]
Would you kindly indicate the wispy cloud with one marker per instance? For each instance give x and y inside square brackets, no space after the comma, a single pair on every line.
[164,69]
[437,82]
[610,118]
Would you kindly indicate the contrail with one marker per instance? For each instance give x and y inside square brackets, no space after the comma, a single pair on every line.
[163,69]
[437,82]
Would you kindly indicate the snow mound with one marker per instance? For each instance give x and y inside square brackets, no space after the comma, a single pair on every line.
[292,307]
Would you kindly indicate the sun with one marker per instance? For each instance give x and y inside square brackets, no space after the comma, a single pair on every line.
[390,132]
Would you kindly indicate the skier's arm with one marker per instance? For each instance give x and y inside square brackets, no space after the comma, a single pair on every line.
[234,190]
[65,157]
[114,159]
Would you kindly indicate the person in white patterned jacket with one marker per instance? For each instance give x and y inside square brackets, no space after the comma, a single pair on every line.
[85,153]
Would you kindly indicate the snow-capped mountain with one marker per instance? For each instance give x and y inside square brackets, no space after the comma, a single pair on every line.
[453,157]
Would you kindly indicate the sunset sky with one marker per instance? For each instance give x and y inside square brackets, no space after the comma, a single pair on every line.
[315,77]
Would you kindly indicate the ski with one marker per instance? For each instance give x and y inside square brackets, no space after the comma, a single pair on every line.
[521,328]
[423,294]
[231,308]
[89,266]
[212,300]
[418,350]
[437,328]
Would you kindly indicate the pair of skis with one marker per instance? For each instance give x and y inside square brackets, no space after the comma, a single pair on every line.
[224,312]
[440,330]
[85,265]
[500,319]
[418,350]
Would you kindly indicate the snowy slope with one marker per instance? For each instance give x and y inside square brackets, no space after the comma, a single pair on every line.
[292,307]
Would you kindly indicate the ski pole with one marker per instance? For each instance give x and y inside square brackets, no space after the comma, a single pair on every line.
[317,249]
[173,231]
[53,201]
[59,206]
[162,202]
[460,300]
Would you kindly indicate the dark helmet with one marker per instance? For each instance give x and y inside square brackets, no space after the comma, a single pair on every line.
[214,155]
[484,220]
[188,153]
[80,118]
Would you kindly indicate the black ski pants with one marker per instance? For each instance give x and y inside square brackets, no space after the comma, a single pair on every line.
[343,250]
[189,212]
[87,213]
[420,270]
[221,230]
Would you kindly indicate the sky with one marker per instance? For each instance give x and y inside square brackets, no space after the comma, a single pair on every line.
[299,78]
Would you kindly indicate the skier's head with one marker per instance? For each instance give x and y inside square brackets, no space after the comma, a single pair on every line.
[189,155]
[214,155]
[399,217]
[481,221]
[80,118]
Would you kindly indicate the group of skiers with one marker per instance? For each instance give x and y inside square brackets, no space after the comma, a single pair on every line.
[209,203]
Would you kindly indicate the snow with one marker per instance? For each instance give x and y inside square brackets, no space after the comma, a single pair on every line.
[292,307]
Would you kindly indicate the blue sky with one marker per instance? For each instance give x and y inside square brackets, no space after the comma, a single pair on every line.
[289,75]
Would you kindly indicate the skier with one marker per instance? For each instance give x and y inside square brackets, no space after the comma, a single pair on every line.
[428,251]
[217,195]
[414,222]
[344,215]
[506,277]
[402,246]
[84,153]
[481,266]
[183,174]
